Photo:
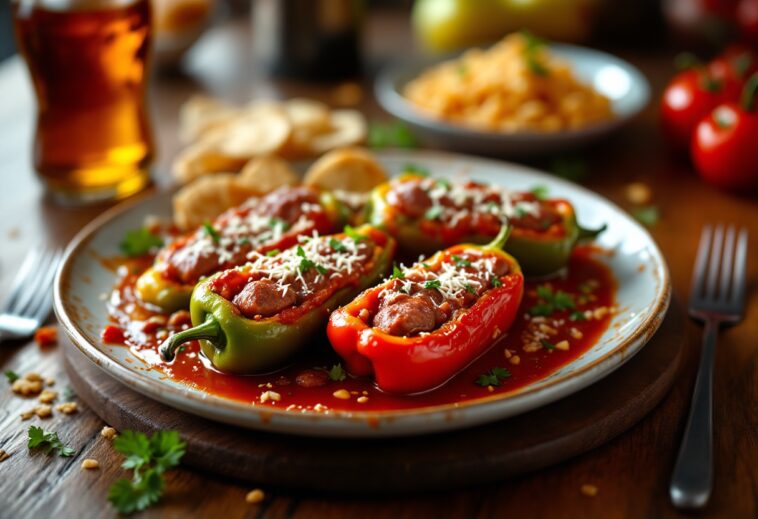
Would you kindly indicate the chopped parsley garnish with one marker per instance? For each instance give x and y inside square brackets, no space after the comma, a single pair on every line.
[461,262]
[577,316]
[444,183]
[211,232]
[244,241]
[433,212]
[432,283]
[273,252]
[471,290]
[139,242]
[352,233]
[394,134]
[410,167]
[520,211]
[337,373]
[493,377]
[68,394]
[306,264]
[337,245]
[397,272]
[278,222]
[533,45]
[321,269]
[547,344]
[541,192]
[550,301]
[11,375]
[496,282]
[48,442]
[426,266]
[149,458]
[647,216]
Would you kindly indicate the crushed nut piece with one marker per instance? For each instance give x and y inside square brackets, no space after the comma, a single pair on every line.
[25,415]
[50,381]
[342,394]
[47,396]
[108,433]
[255,496]
[576,334]
[4,455]
[67,407]
[33,377]
[26,387]
[589,490]
[515,360]
[90,464]
[639,193]
[270,395]
[362,399]
[43,411]
[562,345]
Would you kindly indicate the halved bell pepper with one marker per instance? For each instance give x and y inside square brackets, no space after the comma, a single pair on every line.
[412,364]
[235,344]
[161,287]
[540,251]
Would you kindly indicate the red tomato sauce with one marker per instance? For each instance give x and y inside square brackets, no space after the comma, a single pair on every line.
[588,282]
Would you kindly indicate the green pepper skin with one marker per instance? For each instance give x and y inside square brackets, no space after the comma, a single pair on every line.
[236,344]
[539,255]
[168,295]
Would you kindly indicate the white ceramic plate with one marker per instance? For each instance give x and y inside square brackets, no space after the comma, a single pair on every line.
[643,296]
[626,87]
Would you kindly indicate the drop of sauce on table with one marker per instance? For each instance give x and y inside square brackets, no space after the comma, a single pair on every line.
[588,281]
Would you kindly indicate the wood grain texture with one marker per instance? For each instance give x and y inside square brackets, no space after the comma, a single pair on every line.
[631,471]
[461,459]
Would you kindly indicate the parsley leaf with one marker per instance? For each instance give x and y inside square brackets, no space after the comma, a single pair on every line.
[273,252]
[337,373]
[321,269]
[394,134]
[337,245]
[470,289]
[421,171]
[397,272]
[547,344]
[139,242]
[550,301]
[68,394]
[493,377]
[352,233]
[647,216]
[541,192]
[433,212]
[577,316]
[461,262]
[432,283]
[496,282]
[532,46]
[48,442]
[444,184]
[12,376]
[211,232]
[149,457]
[563,301]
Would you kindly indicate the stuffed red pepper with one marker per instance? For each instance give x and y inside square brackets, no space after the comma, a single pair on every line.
[426,323]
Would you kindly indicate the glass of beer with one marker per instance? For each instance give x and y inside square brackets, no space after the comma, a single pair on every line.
[88,60]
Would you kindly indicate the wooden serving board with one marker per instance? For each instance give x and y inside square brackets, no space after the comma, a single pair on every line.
[468,457]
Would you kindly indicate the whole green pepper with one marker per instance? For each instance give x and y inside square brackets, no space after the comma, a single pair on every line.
[158,287]
[235,344]
[539,252]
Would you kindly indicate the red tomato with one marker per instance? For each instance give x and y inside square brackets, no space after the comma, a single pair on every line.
[689,97]
[724,147]
[731,69]
[747,20]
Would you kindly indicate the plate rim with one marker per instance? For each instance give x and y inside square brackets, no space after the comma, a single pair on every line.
[542,394]
[393,101]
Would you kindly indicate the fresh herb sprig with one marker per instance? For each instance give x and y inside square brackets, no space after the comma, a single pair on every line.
[138,242]
[48,442]
[337,373]
[11,375]
[493,377]
[550,301]
[149,458]
[212,233]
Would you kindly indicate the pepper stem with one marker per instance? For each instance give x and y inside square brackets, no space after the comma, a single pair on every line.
[588,234]
[501,238]
[209,330]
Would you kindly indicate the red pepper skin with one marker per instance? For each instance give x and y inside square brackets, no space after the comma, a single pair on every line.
[416,364]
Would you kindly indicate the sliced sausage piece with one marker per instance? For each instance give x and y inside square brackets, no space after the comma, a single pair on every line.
[411,199]
[404,315]
[263,297]
[188,265]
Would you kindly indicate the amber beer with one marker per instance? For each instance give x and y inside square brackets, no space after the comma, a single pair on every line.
[88,60]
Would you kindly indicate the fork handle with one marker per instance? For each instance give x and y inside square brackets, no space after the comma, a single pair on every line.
[692,479]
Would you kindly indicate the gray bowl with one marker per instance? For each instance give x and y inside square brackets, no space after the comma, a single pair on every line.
[624,84]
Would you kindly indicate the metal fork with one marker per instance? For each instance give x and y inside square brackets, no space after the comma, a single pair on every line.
[31,294]
[717,297]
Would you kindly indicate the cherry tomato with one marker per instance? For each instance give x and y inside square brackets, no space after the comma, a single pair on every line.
[732,68]
[725,142]
[689,97]
[747,20]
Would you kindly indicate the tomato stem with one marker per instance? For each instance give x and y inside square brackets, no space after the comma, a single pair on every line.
[686,61]
[749,92]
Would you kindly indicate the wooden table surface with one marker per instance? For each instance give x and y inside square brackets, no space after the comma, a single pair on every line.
[631,472]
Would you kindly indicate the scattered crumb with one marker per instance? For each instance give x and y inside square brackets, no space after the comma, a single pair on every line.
[25,415]
[255,497]
[491,389]
[47,396]
[589,490]
[90,464]
[515,360]
[46,336]
[67,407]
[43,411]
[362,399]
[4,455]
[342,394]
[562,345]
[270,395]
[108,432]
[50,381]
[28,385]
[638,193]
